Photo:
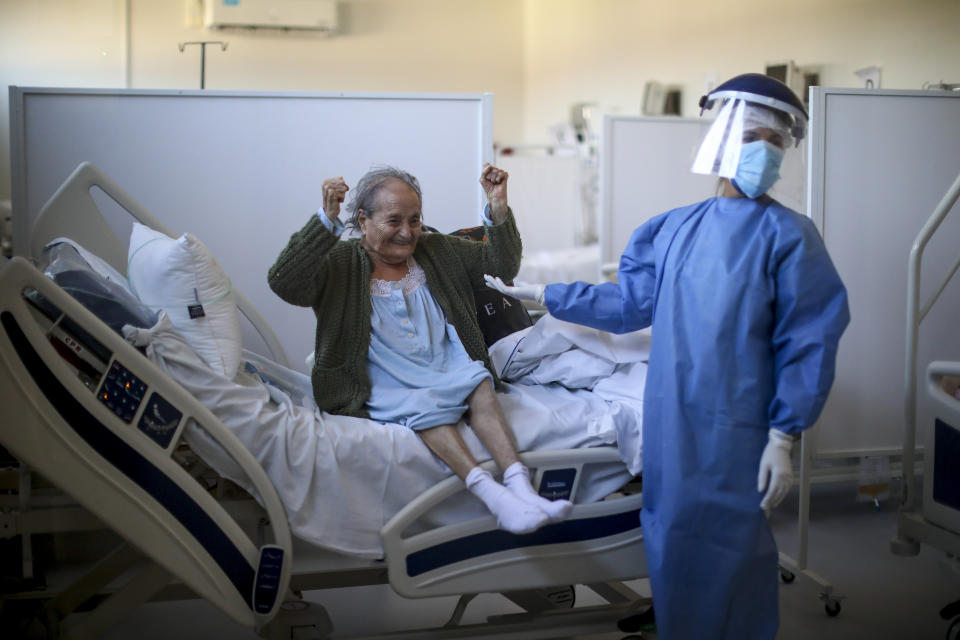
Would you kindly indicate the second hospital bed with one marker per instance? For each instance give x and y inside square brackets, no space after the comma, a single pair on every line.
[143,470]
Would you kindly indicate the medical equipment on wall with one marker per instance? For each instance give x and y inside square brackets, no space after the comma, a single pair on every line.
[869,76]
[662,100]
[798,78]
[941,86]
[107,425]
[579,133]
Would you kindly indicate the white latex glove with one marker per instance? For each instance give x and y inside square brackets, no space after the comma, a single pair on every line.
[521,290]
[776,470]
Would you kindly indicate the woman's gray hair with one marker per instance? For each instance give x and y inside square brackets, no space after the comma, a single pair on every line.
[365,193]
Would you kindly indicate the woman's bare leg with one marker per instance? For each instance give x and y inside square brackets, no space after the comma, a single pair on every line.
[447,444]
[488,422]
[512,513]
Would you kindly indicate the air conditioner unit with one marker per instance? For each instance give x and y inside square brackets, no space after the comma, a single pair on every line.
[315,15]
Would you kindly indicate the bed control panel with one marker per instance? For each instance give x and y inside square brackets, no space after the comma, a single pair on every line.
[122,391]
[557,484]
[266,584]
[159,420]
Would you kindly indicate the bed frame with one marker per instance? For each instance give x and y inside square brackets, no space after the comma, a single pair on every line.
[933,516]
[98,420]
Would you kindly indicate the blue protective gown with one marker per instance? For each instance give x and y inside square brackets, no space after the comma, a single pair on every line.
[747,310]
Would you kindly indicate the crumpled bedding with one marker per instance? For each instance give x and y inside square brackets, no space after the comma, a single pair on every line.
[575,356]
[341,479]
[614,367]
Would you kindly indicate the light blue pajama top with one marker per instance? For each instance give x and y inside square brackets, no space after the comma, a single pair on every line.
[420,373]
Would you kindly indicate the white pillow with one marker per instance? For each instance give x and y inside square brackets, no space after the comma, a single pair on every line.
[181,277]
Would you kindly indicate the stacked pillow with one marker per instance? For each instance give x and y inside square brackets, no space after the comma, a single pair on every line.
[182,278]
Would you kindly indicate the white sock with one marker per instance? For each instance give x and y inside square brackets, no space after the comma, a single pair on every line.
[517,479]
[512,513]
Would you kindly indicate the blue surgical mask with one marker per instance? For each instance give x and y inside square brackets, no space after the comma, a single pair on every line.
[759,167]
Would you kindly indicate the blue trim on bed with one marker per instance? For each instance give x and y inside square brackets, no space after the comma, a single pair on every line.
[480,544]
[135,466]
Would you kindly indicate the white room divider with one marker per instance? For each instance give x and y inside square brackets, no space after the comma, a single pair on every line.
[879,163]
[242,170]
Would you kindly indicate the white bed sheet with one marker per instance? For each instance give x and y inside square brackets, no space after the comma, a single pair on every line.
[614,367]
[341,479]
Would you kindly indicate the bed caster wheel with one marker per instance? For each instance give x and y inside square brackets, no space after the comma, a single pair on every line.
[638,622]
[832,607]
[787,576]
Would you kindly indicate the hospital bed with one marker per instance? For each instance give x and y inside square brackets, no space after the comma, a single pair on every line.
[109,429]
[933,517]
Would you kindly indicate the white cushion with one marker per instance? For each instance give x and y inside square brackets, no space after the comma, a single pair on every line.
[181,277]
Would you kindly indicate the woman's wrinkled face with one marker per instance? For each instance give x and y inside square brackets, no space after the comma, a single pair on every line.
[390,233]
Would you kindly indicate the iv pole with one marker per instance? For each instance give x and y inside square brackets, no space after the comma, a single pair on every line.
[203,54]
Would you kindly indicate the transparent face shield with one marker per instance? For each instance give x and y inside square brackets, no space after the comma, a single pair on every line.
[740,122]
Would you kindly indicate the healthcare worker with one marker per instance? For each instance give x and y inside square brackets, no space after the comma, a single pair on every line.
[746,311]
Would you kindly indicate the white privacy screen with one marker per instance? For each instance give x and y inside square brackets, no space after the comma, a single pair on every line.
[242,170]
[645,171]
[880,162]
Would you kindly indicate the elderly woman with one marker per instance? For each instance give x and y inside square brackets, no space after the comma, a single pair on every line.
[397,333]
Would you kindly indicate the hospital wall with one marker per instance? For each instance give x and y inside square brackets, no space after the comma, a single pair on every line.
[437,46]
[604,51]
[536,56]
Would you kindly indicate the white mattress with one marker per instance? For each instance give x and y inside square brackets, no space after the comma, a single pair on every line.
[341,479]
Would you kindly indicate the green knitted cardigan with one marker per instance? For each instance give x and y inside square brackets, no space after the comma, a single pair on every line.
[332,276]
